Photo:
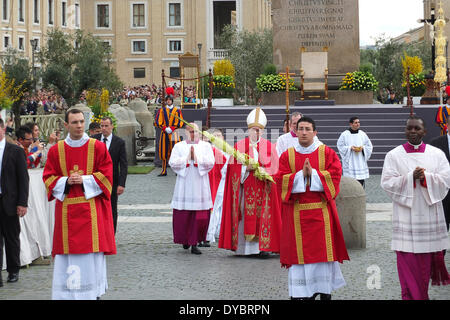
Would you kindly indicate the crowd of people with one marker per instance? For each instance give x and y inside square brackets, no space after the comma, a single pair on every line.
[233,199]
[44,101]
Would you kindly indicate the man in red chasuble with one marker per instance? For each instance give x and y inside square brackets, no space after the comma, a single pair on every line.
[251,220]
[78,173]
[312,242]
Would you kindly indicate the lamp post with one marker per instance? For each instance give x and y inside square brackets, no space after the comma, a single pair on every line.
[33,43]
[431,22]
[201,95]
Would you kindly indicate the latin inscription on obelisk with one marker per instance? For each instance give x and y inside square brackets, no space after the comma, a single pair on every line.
[315,24]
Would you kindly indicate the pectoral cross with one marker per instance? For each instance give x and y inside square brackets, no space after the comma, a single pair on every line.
[75,170]
[287,74]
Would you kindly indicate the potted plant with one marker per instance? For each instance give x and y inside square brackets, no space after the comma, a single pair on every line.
[223,83]
[99,106]
[417,85]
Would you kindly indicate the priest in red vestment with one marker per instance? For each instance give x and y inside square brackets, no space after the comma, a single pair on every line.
[78,173]
[251,220]
[312,242]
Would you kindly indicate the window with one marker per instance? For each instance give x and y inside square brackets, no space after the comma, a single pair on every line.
[5,7]
[139,46]
[174,72]
[175,46]
[6,42]
[50,12]
[139,72]
[36,11]
[21,14]
[64,14]
[77,15]
[103,16]
[21,44]
[175,14]
[139,15]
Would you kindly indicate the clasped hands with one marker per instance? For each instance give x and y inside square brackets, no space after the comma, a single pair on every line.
[75,178]
[357,149]
[419,173]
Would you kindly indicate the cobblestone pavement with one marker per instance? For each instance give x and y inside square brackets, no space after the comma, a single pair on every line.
[150,266]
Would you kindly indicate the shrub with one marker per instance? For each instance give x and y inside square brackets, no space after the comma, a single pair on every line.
[269,68]
[273,83]
[416,84]
[223,86]
[359,81]
[223,67]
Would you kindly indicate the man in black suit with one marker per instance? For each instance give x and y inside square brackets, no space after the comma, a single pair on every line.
[14,183]
[116,148]
[443,143]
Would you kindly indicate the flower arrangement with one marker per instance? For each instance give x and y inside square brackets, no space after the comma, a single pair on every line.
[416,84]
[223,86]
[99,105]
[359,81]
[273,83]
[260,173]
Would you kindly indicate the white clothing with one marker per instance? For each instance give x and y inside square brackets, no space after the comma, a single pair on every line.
[79,276]
[192,190]
[216,215]
[108,140]
[354,164]
[307,279]
[287,141]
[418,216]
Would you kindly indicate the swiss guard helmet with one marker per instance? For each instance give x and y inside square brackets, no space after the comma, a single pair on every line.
[169,93]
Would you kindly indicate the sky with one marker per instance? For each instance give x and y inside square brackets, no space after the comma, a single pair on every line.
[391,17]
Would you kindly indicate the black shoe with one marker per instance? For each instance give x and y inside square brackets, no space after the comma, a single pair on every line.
[186,246]
[204,244]
[195,250]
[162,174]
[1,280]
[324,296]
[13,277]
[263,255]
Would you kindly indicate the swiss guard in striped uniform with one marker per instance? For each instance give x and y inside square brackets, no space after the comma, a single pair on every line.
[165,120]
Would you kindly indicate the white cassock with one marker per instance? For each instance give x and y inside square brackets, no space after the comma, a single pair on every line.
[307,279]
[192,190]
[216,215]
[354,164]
[79,276]
[287,141]
[418,216]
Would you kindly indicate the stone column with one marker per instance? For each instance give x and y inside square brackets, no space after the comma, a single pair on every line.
[126,129]
[351,206]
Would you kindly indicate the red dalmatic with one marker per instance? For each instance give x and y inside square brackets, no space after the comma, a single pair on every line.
[215,175]
[262,220]
[311,230]
[81,226]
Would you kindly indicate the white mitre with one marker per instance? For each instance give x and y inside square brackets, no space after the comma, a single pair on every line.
[257,118]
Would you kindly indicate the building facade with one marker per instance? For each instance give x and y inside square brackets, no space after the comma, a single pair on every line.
[25,20]
[147,36]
